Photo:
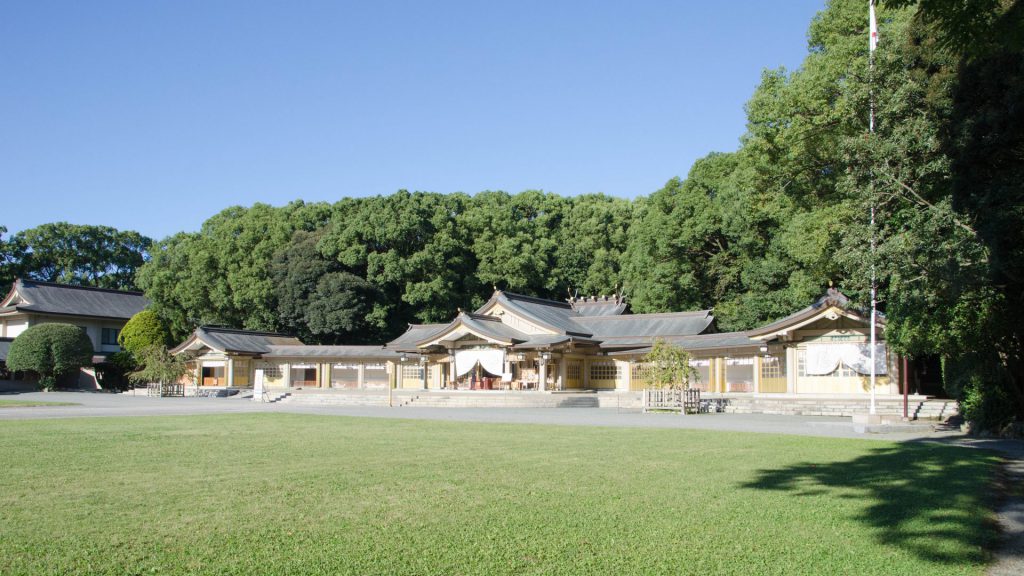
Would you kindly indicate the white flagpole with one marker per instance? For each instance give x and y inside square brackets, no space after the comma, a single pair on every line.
[872,44]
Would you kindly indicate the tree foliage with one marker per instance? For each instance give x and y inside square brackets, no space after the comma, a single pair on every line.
[143,330]
[668,365]
[51,351]
[83,255]
[755,233]
[157,365]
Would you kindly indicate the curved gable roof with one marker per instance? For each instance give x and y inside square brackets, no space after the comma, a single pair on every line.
[488,327]
[832,300]
[413,334]
[556,316]
[235,341]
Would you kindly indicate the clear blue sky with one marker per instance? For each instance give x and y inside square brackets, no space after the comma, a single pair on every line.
[155,115]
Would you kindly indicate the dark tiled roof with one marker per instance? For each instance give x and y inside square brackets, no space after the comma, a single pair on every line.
[291,351]
[603,306]
[486,326]
[558,316]
[833,297]
[415,333]
[546,340]
[239,341]
[5,346]
[647,325]
[65,300]
[697,342]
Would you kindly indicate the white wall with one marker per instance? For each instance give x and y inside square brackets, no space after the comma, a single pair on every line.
[13,326]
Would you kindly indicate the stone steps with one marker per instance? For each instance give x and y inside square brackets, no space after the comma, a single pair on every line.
[470,400]
[930,409]
[338,399]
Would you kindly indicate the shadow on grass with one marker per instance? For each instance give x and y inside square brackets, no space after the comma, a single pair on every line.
[933,501]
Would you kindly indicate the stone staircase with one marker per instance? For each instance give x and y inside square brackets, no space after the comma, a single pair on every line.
[917,408]
[346,398]
[499,400]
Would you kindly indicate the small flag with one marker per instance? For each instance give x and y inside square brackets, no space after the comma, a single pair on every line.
[872,26]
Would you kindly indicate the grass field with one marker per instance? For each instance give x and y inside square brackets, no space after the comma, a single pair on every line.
[31,403]
[299,494]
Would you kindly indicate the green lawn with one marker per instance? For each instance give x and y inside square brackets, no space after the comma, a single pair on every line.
[300,494]
[31,403]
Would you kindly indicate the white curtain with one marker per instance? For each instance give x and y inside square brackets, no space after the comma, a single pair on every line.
[491,360]
[825,358]
[858,357]
[822,359]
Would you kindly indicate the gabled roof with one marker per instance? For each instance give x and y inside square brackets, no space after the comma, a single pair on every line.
[833,299]
[550,314]
[489,327]
[66,300]
[633,326]
[415,333]
[235,341]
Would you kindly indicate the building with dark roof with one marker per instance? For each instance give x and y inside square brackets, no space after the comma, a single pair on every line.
[526,343]
[100,312]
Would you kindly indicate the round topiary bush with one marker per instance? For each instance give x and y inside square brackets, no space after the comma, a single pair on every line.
[144,330]
[51,351]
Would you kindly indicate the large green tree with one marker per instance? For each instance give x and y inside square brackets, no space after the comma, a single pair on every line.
[222,274]
[85,255]
[317,299]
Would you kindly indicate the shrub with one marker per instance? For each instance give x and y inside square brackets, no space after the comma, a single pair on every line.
[142,331]
[669,365]
[51,351]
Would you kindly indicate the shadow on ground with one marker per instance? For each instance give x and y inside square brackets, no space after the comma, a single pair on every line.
[933,501]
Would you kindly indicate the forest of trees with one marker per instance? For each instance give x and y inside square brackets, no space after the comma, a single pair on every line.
[756,233]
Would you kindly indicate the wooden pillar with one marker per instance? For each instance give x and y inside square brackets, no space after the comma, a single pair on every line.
[423,373]
[585,366]
[562,373]
[791,372]
[757,374]
[229,372]
[361,375]
[543,383]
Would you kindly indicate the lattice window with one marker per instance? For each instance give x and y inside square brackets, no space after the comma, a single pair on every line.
[773,367]
[272,372]
[412,372]
[574,370]
[605,371]
[640,372]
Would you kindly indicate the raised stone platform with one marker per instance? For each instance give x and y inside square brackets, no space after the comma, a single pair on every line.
[920,407]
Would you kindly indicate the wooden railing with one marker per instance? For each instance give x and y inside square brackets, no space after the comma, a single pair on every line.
[684,400]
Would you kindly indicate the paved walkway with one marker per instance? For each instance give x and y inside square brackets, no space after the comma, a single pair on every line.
[93,405]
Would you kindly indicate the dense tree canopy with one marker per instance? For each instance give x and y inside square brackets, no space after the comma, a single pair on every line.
[98,256]
[754,233]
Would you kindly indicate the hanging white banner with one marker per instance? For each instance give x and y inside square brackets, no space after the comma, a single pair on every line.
[492,361]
